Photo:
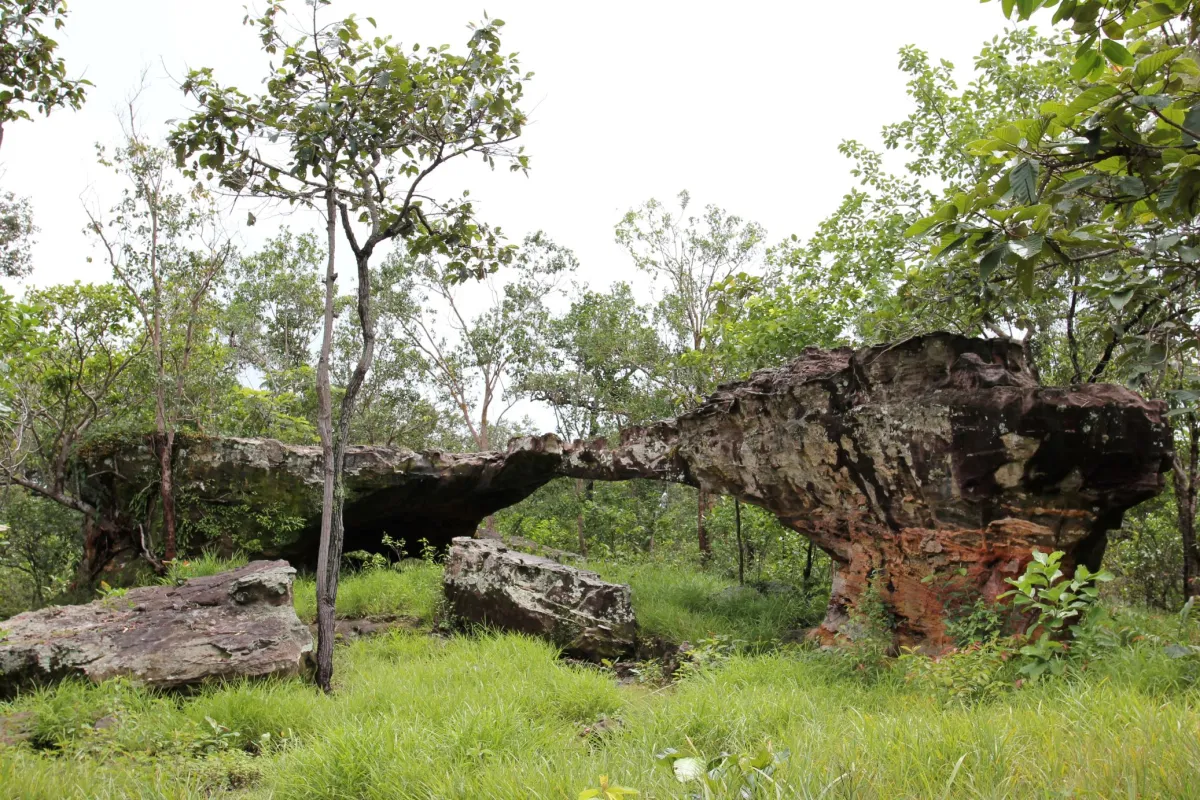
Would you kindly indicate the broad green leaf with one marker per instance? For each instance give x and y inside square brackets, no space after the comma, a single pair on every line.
[1086,64]
[1088,100]
[922,225]
[1115,52]
[1148,66]
[1009,134]
[1075,184]
[1149,15]
[991,259]
[1064,10]
[1156,101]
[1023,182]
[1118,300]
[947,246]
[1028,247]
[1168,193]
[1025,277]
[1191,126]
[1131,185]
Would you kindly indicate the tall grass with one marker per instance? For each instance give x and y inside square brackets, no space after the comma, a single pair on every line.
[203,565]
[410,589]
[683,604]
[500,716]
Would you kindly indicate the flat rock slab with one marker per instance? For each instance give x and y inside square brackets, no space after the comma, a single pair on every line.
[236,624]
[488,584]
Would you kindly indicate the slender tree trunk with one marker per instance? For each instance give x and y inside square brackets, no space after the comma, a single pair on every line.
[166,493]
[166,433]
[332,549]
[484,441]
[327,561]
[589,491]
[579,491]
[808,564]
[1186,477]
[342,439]
[701,530]
[737,526]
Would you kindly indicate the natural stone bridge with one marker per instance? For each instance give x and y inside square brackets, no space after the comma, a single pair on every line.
[931,456]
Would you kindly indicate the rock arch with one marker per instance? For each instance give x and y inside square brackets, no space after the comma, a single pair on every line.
[936,455]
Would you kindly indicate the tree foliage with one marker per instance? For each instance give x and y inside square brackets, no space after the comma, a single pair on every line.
[355,125]
[32,74]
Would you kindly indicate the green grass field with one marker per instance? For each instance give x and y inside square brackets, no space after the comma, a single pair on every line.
[499,716]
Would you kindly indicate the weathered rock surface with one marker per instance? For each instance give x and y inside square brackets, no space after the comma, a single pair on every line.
[410,495]
[921,458]
[489,584]
[237,624]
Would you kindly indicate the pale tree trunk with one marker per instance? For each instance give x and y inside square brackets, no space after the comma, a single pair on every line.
[166,492]
[1186,477]
[327,562]
[166,437]
[484,441]
[349,403]
[588,491]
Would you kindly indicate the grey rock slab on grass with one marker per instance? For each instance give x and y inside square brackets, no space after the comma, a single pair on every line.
[236,624]
[489,584]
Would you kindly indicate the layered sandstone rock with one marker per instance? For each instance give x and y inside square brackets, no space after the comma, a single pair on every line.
[237,624]
[488,584]
[911,463]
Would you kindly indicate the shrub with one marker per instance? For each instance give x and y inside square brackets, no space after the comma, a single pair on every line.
[1057,603]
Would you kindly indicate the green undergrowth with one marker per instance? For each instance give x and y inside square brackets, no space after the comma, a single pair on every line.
[673,602]
[411,589]
[499,716]
[202,566]
[681,604]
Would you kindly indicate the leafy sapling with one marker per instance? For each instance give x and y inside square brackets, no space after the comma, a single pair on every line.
[1059,603]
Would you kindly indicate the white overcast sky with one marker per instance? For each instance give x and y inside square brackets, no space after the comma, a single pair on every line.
[741,103]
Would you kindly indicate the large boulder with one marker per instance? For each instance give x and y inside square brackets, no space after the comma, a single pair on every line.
[928,469]
[489,584]
[237,624]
